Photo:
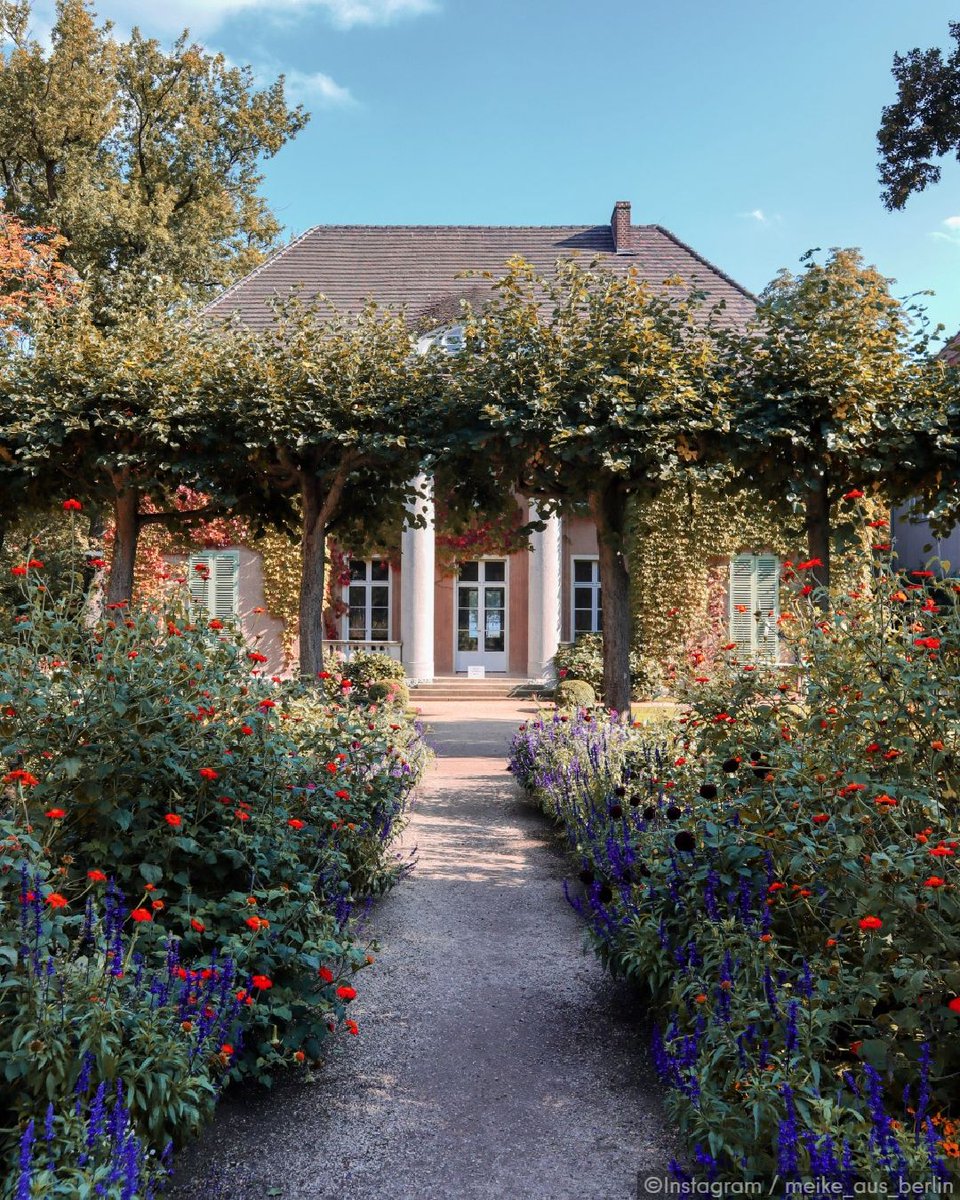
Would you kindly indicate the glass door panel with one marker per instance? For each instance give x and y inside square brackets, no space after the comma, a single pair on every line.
[481,600]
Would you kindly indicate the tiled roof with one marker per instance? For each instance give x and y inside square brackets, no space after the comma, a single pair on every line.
[417,266]
[951,352]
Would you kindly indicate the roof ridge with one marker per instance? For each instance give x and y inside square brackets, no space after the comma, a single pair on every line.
[700,258]
[268,261]
[333,225]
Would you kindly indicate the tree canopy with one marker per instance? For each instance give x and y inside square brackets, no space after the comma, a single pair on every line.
[923,123]
[340,413]
[832,390]
[590,388]
[145,159]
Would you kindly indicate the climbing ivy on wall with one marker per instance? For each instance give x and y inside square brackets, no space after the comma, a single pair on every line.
[681,543]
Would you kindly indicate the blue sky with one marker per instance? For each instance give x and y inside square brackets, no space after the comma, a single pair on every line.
[747,127]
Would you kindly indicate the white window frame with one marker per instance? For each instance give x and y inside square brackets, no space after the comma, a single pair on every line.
[368,584]
[755,631]
[219,592]
[595,585]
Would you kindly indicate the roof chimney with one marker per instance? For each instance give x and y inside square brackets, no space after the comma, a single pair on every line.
[620,226]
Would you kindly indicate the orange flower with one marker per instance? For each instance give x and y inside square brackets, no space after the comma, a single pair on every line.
[209,773]
[934,881]
[197,926]
[141,914]
[870,923]
[936,745]
[55,814]
[55,900]
[353,1027]
[72,506]
[700,998]
[174,820]
[261,982]
[96,876]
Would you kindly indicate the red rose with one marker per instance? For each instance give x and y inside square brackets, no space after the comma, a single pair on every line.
[325,974]
[870,923]
[954,1004]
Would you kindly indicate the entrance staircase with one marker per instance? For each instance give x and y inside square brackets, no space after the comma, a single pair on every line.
[493,687]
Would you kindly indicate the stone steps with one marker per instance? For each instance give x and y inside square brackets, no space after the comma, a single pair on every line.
[466,690]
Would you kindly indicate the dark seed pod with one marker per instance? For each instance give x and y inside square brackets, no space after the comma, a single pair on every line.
[731,766]
[674,813]
[644,870]
[685,840]
[626,875]
[650,813]
[708,791]
[634,800]
[586,876]
[605,895]
[620,790]
[615,810]
[756,755]
[761,772]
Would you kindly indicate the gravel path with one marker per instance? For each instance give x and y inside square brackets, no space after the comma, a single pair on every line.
[495,1058]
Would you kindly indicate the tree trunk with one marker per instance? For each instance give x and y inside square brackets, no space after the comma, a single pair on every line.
[817,517]
[126,513]
[313,545]
[609,510]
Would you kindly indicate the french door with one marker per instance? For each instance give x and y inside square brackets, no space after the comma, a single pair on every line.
[481,626]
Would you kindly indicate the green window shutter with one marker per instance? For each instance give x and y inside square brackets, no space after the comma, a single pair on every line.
[199,585]
[768,605]
[755,588]
[218,593]
[224,581]
[741,596]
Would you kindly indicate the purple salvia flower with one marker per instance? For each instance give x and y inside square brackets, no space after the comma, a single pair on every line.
[787,1138]
[25,1161]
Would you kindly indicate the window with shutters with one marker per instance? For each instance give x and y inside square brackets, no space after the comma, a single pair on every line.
[755,605]
[587,600]
[367,597]
[214,582]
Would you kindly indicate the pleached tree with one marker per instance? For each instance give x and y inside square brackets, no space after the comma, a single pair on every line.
[340,414]
[586,388]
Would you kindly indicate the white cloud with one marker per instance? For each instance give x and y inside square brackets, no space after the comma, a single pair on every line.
[952,235]
[306,86]
[204,17]
[760,217]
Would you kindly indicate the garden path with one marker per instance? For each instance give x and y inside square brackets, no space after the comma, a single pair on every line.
[495,1057]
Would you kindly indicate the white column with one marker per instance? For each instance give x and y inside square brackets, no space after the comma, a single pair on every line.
[417,558]
[543,599]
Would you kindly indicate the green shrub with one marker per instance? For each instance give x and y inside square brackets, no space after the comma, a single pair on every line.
[394,691]
[583,660]
[575,693]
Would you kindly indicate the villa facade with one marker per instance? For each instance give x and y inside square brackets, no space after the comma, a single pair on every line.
[494,615]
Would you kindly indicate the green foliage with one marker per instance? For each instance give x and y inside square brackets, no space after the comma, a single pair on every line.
[146,159]
[831,390]
[922,124]
[807,800]
[583,659]
[588,387]
[574,693]
[243,821]
[393,691]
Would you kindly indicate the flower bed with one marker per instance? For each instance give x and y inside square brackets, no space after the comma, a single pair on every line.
[779,870]
[188,853]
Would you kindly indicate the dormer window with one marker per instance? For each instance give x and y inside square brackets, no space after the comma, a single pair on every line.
[450,340]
